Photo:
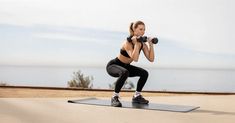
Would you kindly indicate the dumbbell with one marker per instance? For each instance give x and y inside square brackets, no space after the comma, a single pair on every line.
[143,39]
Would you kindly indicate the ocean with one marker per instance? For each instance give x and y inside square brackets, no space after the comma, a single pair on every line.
[160,79]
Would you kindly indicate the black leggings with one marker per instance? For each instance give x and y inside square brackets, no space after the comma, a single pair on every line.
[116,68]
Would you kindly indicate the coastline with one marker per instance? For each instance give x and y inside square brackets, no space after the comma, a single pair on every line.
[55,92]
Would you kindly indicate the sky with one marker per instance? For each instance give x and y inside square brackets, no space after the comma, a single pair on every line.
[191,33]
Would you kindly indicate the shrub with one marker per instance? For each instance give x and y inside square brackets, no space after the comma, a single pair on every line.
[3,84]
[127,85]
[79,80]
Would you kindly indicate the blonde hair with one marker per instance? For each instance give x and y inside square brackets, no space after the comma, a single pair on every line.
[134,26]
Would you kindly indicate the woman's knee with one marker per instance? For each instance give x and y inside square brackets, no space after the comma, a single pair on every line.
[125,73]
[144,73]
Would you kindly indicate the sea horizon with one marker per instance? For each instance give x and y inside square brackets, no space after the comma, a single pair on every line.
[160,79]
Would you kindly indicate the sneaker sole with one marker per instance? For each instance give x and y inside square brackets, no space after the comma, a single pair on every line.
[116,105]
[140,102]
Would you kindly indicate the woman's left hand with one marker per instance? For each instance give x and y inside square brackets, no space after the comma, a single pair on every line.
[150,41]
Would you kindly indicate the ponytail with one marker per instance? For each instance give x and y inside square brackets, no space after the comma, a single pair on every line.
[131,29]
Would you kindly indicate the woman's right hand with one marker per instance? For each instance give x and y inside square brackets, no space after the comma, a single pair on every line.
[134,40]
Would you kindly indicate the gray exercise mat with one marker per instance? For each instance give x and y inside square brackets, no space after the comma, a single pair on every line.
[125,104]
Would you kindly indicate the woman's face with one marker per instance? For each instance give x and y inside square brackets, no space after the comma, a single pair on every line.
[140,30]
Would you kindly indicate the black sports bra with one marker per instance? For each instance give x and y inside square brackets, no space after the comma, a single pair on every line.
[123,52]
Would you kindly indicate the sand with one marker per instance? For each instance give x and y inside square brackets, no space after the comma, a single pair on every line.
[44,106]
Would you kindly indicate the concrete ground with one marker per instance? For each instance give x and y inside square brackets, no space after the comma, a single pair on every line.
[213,109]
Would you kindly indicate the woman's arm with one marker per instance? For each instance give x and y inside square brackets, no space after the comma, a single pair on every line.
[133,53]
[149,51]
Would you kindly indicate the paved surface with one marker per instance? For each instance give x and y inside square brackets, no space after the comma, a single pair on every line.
[214,109]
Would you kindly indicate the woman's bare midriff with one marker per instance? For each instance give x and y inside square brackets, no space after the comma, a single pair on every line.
[124,59]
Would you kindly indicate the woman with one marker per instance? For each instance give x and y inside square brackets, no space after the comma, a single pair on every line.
[121,66]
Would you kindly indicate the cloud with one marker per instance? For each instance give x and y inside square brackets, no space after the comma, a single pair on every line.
[194,26]
[204,26]
[80,35]
[56,45]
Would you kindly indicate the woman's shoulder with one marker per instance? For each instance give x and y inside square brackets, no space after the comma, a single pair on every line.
[127,44]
